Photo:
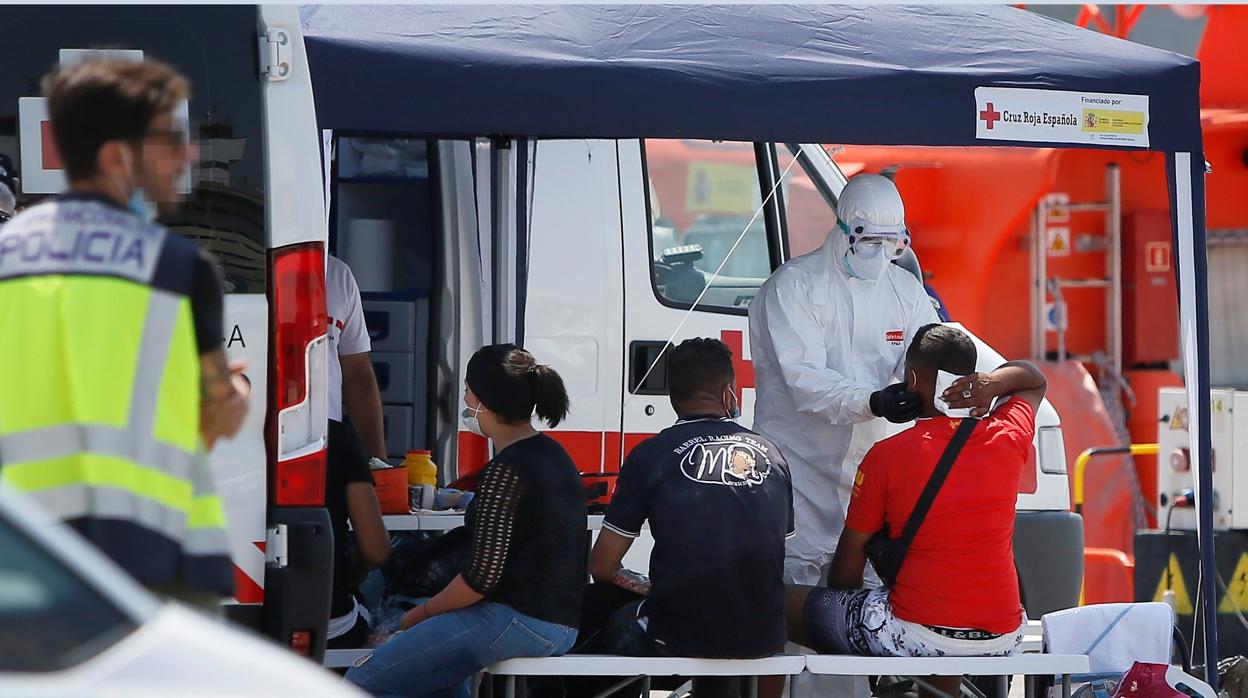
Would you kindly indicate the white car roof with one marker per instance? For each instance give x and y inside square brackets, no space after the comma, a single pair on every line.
[173,651]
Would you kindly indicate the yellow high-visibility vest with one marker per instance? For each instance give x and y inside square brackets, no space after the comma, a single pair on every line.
[100,392]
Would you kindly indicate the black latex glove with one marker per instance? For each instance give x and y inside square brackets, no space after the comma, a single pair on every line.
[896,404]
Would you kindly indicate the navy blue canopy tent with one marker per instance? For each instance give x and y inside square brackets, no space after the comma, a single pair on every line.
[811,74]
[934,75]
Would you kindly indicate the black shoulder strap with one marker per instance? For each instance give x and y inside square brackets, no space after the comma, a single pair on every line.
[937,479]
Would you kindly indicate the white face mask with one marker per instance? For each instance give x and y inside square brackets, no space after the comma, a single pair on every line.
[142,206]
[471,422]
[866,262]
[138,204]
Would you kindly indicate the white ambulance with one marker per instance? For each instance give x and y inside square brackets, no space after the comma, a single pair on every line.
[593,266]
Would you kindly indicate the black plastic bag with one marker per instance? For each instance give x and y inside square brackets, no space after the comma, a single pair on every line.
[422,566]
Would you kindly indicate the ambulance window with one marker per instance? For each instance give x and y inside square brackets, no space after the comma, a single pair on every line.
[215,48]
[703,196]
[809,210]
[50,619]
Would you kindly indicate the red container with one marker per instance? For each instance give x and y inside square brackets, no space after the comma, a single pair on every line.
[391,487]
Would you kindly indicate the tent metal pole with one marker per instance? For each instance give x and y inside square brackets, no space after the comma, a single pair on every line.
[1113,231]
[1038,283]
[501,203]
[1189,201]
[520,248]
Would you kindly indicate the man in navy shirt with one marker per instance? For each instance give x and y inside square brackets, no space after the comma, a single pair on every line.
[719,501]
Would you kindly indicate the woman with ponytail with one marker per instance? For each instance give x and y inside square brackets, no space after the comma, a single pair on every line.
[520,594]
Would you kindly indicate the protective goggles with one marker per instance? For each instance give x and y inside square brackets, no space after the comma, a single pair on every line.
[862,238]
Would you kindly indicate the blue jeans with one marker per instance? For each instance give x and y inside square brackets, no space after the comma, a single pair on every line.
[437,658]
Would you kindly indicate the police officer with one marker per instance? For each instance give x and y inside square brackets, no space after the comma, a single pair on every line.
[113,377]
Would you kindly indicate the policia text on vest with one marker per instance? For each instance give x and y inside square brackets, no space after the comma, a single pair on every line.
[99,389]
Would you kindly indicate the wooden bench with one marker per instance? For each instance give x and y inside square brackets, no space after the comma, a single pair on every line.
[1063,665]
[634,669]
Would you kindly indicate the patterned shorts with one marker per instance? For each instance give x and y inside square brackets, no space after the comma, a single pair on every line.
[861,622]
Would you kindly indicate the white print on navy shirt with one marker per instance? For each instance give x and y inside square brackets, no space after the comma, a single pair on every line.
[735,460]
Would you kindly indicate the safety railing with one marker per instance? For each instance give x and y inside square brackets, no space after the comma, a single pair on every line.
[1081,463]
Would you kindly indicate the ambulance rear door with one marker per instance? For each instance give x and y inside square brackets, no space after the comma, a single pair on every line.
[226,210]
[698,243]
[575,289]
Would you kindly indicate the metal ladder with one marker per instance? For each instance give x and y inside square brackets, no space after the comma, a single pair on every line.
[1110,382]
[1042,285]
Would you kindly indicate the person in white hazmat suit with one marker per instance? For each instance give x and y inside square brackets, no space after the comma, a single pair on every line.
[828,337]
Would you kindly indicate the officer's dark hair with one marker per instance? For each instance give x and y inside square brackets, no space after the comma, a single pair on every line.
[700,365]
[942,348]
[104,99]
[511,384]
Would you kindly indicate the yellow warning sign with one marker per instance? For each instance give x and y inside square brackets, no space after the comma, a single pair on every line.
[1056,208]
[1236,598]
[1059,242]
[1179,421]
[1182,600]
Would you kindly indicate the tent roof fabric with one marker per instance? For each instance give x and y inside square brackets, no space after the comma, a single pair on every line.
[810,73]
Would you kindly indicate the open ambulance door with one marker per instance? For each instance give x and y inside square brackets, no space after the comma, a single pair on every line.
[569,220]
[286,521]
[695,232]
[697,243]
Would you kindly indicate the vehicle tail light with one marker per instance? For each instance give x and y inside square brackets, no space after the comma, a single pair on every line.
[301,642]
[297,426]
[301,481]
[1051,450]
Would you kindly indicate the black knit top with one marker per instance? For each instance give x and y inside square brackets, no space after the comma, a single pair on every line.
[528,529]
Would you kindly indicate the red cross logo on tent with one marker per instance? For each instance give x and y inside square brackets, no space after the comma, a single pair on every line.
[990,116]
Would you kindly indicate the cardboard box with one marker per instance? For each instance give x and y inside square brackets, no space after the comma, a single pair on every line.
[391,487]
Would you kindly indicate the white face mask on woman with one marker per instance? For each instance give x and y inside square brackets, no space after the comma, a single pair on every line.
[471,422]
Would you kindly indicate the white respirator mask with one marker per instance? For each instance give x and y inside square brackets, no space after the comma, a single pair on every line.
[471,421]
[868,254]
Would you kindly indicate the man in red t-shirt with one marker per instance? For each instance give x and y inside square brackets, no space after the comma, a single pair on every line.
[957,591]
